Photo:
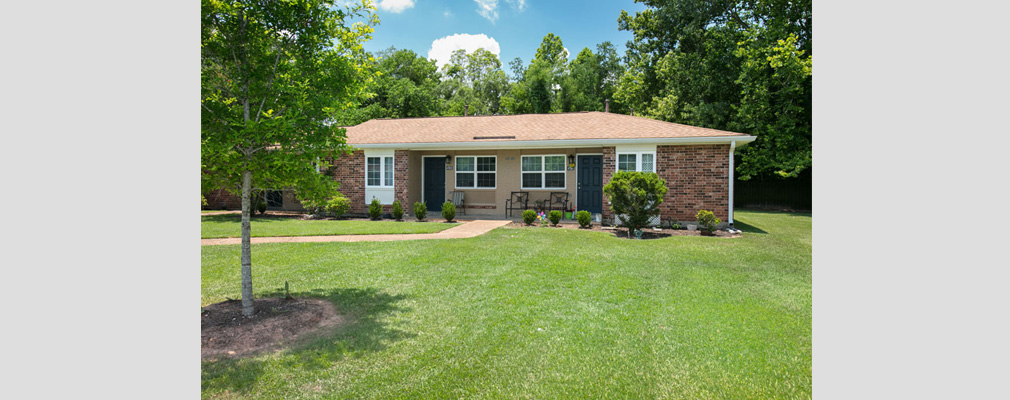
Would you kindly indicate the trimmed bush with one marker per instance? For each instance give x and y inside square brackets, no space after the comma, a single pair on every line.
[635,197]
[338,205]
[261,206]
[420,210]
[448,211]
[707,220]
[529,216]
[584,218]
[397,210]
[375,210]
[555,217]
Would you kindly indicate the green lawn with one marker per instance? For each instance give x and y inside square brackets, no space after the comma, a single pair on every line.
[229,225]
[537,313]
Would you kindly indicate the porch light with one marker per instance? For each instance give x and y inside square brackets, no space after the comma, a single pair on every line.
[448,159]
[571,160]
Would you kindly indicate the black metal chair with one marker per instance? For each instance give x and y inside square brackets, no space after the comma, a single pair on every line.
[557,201]
[517,201]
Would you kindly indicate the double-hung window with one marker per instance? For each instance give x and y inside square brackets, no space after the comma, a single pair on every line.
[379,171]
[543,172]
[476,172]
[642,162]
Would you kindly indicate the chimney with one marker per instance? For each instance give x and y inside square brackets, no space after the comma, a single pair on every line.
[632,111]
[466,109]
[606,105]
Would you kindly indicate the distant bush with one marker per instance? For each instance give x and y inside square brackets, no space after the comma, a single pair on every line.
[448,211]
[707,220]
[529,216]
[397,210]
[555,217]
[584,218]
[338,205]
[375,210]
[420,210]
[261,206]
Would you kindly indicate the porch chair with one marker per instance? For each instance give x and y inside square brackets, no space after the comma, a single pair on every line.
[557,201]
[457,200]
[517,201]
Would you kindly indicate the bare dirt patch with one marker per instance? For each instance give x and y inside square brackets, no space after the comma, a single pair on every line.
[278,322]
[647,233]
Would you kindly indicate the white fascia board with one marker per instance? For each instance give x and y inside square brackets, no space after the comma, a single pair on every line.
[545,144]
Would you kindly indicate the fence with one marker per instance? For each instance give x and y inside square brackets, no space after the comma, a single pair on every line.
[792,193]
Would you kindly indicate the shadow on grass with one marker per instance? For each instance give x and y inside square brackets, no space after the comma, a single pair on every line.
[236,218]
[363,331]
[743,226]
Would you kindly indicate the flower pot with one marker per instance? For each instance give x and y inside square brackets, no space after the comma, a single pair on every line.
[568,215]
[706,232]
[692,227]
[638,233]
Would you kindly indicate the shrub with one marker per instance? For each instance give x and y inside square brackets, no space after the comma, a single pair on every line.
[261,206]
[312,206]
[375,210]
[203,201]
[397,210]
[707,220]
[635,196]
[448,211]
[529,216]
[338,205]
[420,210]
[555,217]
[584,218]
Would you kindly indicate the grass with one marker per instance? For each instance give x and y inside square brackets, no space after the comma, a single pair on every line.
[537,313]
[229,225]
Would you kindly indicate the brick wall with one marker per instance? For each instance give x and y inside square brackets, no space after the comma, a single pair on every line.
[400,175]
[697,178]
[349,170]
[217,198]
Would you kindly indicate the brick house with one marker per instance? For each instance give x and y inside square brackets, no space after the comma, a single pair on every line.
[488,157]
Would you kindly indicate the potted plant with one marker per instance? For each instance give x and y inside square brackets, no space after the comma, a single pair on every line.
[569,212]
[638,233]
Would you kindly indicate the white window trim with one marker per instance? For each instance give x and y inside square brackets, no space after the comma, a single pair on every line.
[542,172]
[382,170]
[638,160]
[456,171]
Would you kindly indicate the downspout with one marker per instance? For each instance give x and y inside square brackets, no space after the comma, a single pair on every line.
[732,149]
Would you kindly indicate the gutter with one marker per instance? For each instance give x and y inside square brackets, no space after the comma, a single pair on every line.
[732,149]
[543,144]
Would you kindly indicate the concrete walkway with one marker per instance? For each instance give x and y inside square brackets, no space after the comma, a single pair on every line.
[465,230]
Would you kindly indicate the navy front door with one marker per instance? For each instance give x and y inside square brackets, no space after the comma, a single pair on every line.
[434,183]
[590,185]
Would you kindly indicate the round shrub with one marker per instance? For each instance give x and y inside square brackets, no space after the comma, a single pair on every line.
[555,217]
[338,205]
[635,197]
[375,210]
[261,206]
[584,218]
[397,210]
[448,211]
[420,210]
[707,220]
[529,216]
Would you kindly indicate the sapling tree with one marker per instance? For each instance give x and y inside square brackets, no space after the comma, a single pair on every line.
[273,76]
[635,197]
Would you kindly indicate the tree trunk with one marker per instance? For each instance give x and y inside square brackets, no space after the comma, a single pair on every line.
[247,291]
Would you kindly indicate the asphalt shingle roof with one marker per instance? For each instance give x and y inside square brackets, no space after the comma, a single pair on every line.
[504,128]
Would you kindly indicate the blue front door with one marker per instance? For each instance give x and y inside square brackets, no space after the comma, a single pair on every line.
[434,183]
[590,185]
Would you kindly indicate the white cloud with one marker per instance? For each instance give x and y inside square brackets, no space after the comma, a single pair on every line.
[442,48]
[395,6]
[518,4]
[447,13]
[488,9]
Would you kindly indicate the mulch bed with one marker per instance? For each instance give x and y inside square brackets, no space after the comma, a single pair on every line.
[647,233]
[225,332]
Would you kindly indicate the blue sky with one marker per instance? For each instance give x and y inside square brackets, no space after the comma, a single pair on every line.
[516,26]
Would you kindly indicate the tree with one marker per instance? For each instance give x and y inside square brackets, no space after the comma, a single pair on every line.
[273,75]
[733,65]
[406,87]
[475,80]
[635,197]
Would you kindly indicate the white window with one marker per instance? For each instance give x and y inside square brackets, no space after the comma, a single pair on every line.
[543,172]
[379,171]
[642,162]
[476,172]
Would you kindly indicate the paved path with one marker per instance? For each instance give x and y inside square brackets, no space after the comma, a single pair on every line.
[465,230]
